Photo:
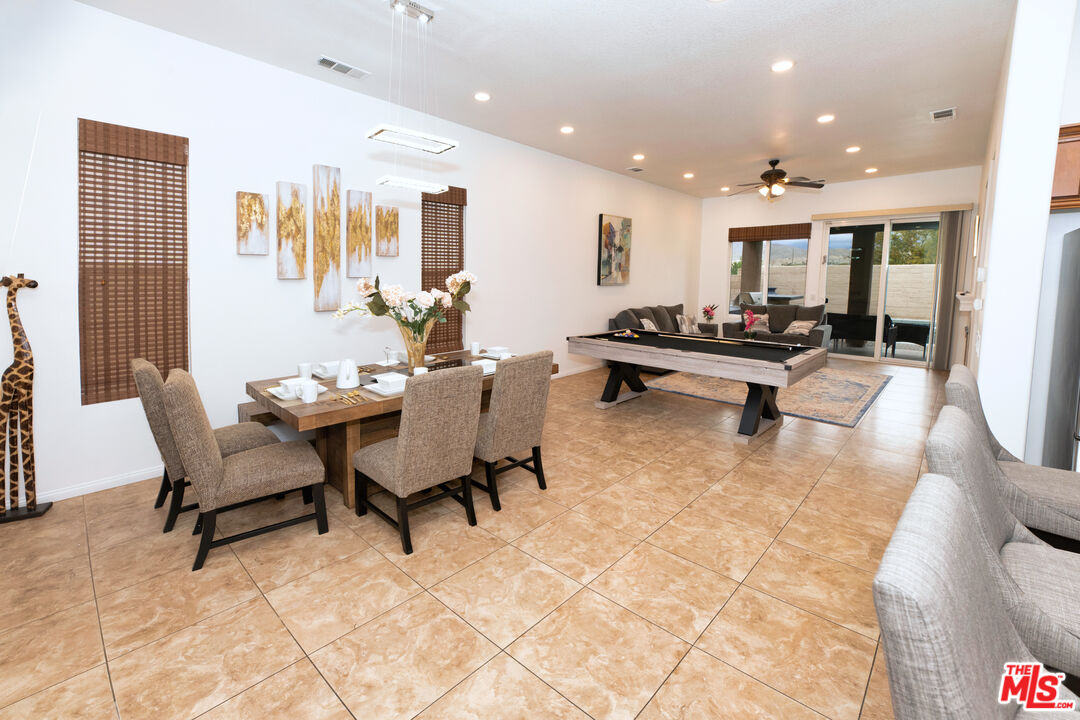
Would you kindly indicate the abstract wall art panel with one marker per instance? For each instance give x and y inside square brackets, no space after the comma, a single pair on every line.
[252,223]
[291,230]
[326,258]
[386,231]
[613,261]
[358,235]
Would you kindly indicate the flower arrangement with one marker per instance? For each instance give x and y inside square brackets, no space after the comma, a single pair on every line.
[414,312]
[709,311]
[751,318]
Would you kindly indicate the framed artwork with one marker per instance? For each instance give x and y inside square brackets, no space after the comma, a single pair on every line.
[291,231]
[252,224]
[613,257]
[326,256]
[358,234]
[386,231]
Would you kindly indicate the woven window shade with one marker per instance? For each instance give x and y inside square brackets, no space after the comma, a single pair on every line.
[132,256]
[761,233]
[442,253]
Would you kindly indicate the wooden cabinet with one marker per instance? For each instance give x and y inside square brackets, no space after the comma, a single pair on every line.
[1066,190]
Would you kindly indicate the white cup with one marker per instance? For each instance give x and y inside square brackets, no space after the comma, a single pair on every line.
[475,348]
[308,391]
[304,370]
[419,371]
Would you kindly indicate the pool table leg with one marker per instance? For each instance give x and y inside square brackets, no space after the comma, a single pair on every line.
[760,403]
[620,373]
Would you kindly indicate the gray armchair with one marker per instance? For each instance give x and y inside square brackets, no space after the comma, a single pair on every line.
[780,316]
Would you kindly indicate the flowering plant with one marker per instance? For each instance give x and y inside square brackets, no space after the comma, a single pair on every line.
[751,318]
[709,311]
[413,311]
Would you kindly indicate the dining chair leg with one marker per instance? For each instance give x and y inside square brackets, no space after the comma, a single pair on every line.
[403,525]
[306,492]
[466,486]
[538,467]
[175,505]
[209,520]
[319,498]
[163,491]
[360,492]
[198,525]
[493,488]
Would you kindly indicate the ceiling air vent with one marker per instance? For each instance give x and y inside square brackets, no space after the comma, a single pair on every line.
[338,66]
[943,115]
[635,169]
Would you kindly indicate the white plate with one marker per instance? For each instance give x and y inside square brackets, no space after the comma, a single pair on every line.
[390,377]
[323,376]
[276,392]
[496,349]
[384,391]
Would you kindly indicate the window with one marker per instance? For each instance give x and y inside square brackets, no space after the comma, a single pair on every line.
[132,256]
[442,253]
[768,265]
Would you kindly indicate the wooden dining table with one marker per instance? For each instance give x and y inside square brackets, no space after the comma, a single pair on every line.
[343,425]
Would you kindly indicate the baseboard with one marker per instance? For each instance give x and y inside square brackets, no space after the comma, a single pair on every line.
[103,484]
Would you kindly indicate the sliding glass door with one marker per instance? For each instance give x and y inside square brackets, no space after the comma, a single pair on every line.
[881,288]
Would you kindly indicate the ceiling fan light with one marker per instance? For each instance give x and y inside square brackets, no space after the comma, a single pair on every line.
[778,189]
[764,190]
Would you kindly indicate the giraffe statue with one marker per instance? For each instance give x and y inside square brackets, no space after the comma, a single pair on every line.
[17,414]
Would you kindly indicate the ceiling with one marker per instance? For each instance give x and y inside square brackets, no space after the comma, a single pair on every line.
[686,82]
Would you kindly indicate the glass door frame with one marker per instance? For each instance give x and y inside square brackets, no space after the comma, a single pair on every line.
[883,280]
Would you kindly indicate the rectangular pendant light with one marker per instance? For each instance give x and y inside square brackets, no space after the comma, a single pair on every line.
[411,139]
[411,184]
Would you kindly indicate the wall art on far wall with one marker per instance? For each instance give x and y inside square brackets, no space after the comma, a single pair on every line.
[291,230]
[386,231]
[358,234]
[613,260]
[326,258]
[252,224]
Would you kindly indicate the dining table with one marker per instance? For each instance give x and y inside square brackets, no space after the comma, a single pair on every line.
[345,420]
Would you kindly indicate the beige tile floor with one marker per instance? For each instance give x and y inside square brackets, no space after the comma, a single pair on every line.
[669,571]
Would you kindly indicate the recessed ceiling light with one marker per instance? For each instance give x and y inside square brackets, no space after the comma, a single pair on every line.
[482,96]
[566,129]
[826,118]
[853,149]
[688,176]
[871,170]
[783,65]
[639,156]
[724,189]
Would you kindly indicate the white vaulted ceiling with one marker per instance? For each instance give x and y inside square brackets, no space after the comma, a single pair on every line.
[686,82]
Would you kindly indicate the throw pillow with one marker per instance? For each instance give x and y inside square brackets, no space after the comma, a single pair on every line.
[800,327]
[647,324]
[688,324]
[761,323]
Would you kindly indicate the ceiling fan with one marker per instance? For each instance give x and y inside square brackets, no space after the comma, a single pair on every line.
[775,181]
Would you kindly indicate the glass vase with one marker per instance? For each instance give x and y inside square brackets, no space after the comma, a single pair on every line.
[416,344]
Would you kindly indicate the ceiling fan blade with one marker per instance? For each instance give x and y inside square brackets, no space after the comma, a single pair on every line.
[754,184]
[807,184]
[740,192]
[799,178]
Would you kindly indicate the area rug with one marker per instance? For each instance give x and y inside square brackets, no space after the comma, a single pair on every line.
[839,397]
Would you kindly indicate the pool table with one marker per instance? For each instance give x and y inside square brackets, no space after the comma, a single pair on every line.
[763,366]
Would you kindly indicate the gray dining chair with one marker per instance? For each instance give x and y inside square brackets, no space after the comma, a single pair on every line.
[514,421]
[944,625]
[231,439]
[434,446]
[222,483]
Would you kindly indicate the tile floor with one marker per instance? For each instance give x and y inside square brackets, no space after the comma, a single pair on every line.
[668,572]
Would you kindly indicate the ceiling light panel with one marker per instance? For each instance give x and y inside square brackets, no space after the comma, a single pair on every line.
[412,184]
[411,139]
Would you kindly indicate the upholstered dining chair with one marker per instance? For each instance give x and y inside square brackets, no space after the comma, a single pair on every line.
[222,482]
[434,446]
[231,439]
[514,421]
[944,625]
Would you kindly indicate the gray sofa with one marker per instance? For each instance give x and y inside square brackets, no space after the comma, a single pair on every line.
[780,316]
[663,316]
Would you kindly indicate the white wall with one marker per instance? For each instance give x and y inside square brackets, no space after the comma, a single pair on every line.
[1019,172]
[531,222]
[942,187]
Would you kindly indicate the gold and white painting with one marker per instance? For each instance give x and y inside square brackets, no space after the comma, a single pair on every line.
[326,257]
[252,223]
[291,231]
[358,234]
[386,231]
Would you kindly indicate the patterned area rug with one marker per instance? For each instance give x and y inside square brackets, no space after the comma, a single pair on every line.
[839,397]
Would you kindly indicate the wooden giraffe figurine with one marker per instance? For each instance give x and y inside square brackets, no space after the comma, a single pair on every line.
[17,415]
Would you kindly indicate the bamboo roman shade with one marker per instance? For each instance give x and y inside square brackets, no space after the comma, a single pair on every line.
[761,233]
[132,256]
[442,253]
